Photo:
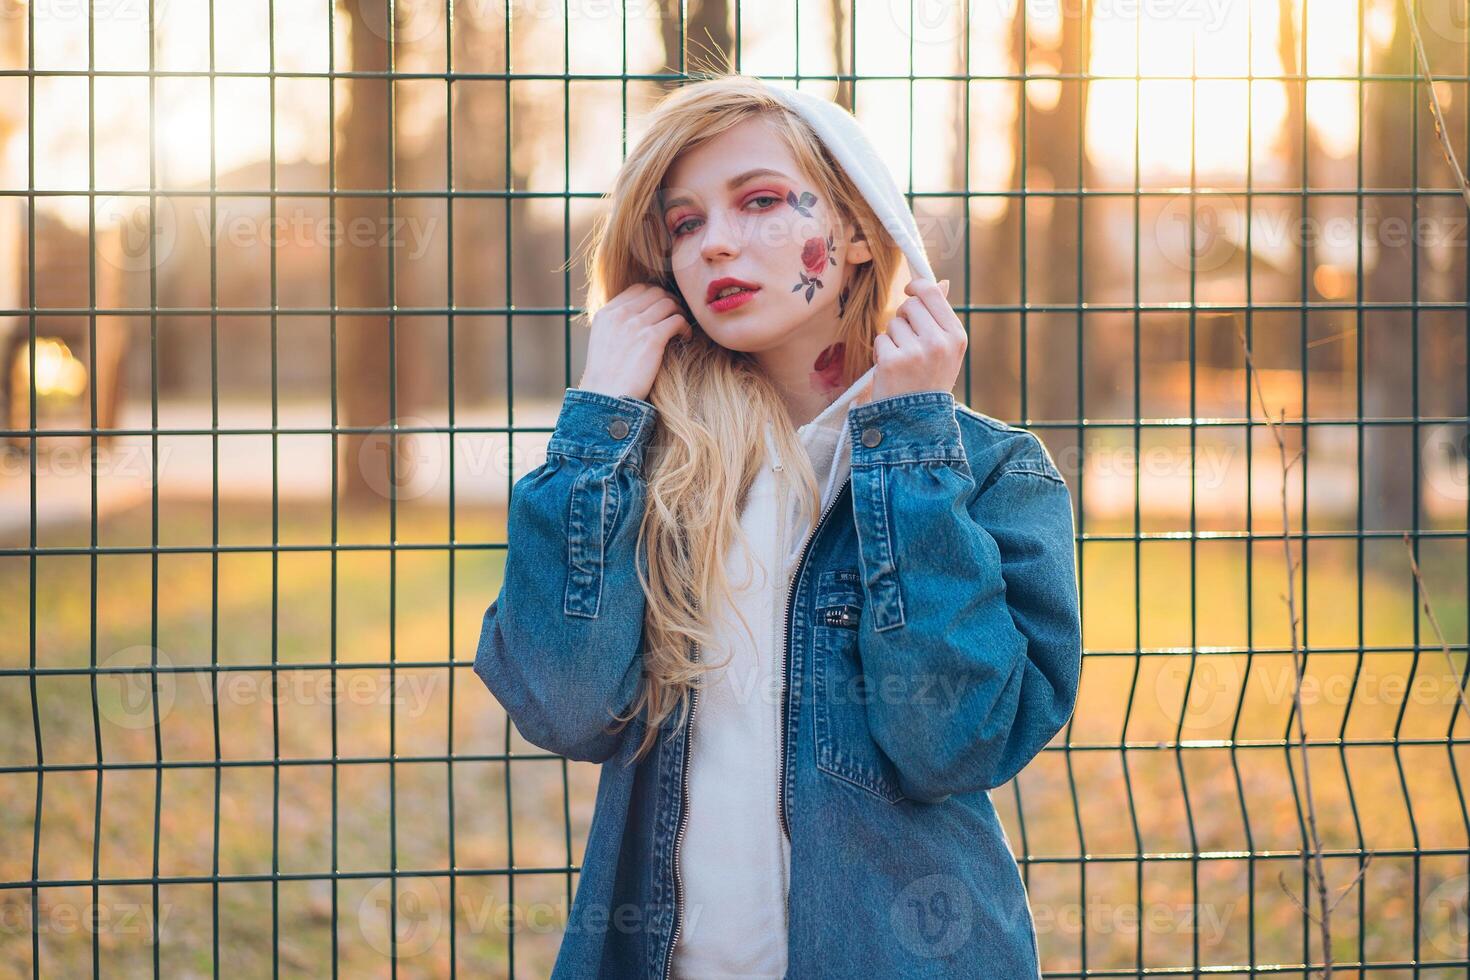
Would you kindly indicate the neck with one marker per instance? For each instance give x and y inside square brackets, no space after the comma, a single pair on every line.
[807,371]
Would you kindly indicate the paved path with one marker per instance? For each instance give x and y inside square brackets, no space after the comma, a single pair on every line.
[484,469]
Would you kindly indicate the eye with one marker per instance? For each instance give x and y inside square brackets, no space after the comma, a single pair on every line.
[682,228]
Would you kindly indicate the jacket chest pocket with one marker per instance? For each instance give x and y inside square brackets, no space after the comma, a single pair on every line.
[845,747]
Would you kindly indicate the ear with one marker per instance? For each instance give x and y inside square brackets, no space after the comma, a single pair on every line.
[857,248]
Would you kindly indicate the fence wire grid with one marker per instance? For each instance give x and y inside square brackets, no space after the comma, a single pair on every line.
[256,466]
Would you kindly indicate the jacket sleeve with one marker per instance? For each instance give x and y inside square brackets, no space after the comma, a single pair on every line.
[560,647]
[972,596]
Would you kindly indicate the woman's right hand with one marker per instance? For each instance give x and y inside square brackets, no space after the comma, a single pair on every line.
[629,336]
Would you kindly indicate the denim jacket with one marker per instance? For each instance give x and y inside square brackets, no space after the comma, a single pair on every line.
[933,648]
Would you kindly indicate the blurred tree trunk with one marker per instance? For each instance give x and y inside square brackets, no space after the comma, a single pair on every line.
[1442,352]
[14,330]
[995,275]
[480,254]
[705,35]
[1295,160]
[841,56]
[365,370]
[1056,154]
[1387,481]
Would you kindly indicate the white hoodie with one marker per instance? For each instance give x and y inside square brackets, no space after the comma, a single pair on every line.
[734,858]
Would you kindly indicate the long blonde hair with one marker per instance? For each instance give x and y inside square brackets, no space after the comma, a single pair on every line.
[713,404]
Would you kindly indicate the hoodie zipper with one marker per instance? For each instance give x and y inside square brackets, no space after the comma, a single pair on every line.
[689,735]
[683,819]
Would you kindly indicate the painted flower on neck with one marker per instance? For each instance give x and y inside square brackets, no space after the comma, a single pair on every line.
[826,375]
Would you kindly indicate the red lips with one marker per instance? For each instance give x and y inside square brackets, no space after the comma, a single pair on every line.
[723,283]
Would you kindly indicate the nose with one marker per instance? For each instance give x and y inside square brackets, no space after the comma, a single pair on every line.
[721,237]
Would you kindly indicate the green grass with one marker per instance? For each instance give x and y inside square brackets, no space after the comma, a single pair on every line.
[1107,803]
[410,623]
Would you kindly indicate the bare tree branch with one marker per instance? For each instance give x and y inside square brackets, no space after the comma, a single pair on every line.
[1316,873]
[1439,127]
[1434,621]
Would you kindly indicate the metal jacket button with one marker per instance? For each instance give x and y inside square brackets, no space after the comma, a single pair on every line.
[617,428]
[871,437]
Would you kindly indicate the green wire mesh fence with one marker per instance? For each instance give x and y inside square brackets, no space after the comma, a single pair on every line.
[288,309]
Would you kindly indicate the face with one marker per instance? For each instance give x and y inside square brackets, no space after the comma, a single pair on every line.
[739,212]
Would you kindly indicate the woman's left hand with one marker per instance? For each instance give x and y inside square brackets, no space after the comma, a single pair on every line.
[924,346]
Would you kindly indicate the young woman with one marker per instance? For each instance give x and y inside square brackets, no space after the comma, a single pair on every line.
[807,608]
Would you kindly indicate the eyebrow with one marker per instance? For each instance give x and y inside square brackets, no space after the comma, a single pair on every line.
[730,184]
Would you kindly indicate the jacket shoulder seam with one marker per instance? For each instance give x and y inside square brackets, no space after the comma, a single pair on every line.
[989,421]
[1032,461]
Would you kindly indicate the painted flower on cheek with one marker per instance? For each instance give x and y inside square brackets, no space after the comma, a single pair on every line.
[816,254]
[803,203]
